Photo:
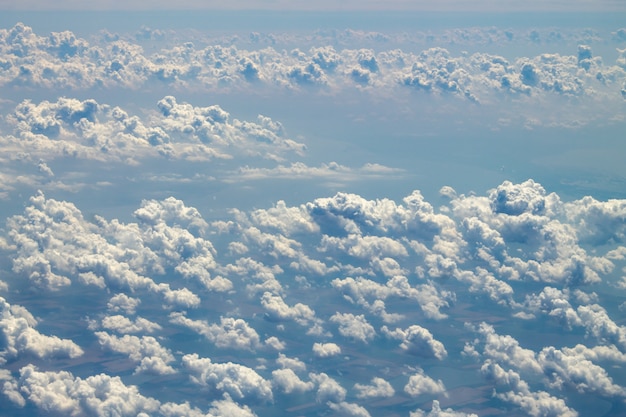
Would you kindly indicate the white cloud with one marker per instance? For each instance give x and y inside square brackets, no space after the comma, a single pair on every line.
[275,343]
[294,364]
[348,409]
[277,309]
[421,384]
[567,367]
[399,254]
[534,403]
[354,326]
[555,304]
[227,407]
[230,333]
[325,350]
[436,411]
[262,277]
[506,349]
[123,303]
[146,351]
[20,336]
[359,290]
[331,172]
[61,392]
[288,382]
[10,388]
[598,324]
[327,388]
[90,130]
[64,61]
[237,380]
[123,324]
[417,340]
[378,388]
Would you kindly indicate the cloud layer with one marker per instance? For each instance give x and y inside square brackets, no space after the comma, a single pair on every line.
[518,249]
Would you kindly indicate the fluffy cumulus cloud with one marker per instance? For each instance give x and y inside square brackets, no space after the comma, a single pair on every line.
[62,60]
[90,130]
[328,389]
[146,351]
[354,327]
[436,411]
[417,340]
[237,380]
[378,387]
[287,381]
[230,333]
[325,350]
[63,393]
[534,403]
[344,304]
[349,409]
[390,277]
[505,361]
[277,309]
[420,384]
[102,253]
[21,338]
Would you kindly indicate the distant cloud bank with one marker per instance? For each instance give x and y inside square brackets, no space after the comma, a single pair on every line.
[62,60]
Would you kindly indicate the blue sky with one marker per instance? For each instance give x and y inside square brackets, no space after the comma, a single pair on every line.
[335,216]
[445,5]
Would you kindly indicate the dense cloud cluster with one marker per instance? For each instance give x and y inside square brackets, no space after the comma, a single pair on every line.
[86,129]
[337,278]
[62,60]
[507,300]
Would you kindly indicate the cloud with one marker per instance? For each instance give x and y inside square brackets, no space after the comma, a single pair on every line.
[567,367]
[20,336]
[436,411]
[237,380]
[64,61]
[331,172]
[554,303]
[378,388]
[598,221]
[277,309]
[123,324]
[294,364]
[348,409]
[388,262]
[10,388]
[86,129]
[361,290]
[516,199]
[227,407]
[534,403]
[598,324]
[327,388]
[325,350]
[230,333]
[123,303]
[354,326]
[506,349]
[146,351]
[288,382]
[61,392]
[417,340]
[561,369]
[421,384]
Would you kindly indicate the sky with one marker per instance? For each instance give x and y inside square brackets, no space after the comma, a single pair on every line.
[236,213]
[346,5]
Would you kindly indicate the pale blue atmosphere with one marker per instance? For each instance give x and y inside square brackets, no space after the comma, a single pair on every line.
[400,211]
